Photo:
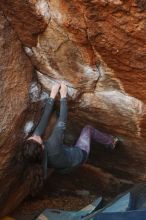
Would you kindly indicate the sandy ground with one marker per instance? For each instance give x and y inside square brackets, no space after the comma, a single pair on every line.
[67,192]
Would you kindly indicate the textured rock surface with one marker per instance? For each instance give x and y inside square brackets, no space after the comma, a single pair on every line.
[16,74]
[27,17]
[99,48]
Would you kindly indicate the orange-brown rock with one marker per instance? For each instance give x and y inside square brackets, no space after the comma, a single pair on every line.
[16,75]
[99,48]
[28,18]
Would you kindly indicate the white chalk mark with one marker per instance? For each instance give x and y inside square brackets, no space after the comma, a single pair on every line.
[89,71]
[34,92]
[122,101]
[43,8]
[28,51]
[44,95]
[28,127]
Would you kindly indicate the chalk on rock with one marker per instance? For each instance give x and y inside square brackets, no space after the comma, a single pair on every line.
[28,127]
[72,92]
[28,51]
[44,96]
[46,81]
[43,8]
[34,92]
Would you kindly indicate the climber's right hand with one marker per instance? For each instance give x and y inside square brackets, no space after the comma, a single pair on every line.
[63,90]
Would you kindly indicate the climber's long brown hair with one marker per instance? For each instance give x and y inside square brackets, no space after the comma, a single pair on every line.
[31,152]
[31,157]
[34,176]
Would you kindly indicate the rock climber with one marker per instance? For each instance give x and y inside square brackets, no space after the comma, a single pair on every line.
[53,153]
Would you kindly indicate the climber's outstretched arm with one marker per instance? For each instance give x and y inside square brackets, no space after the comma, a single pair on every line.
[45,117]
[47,111]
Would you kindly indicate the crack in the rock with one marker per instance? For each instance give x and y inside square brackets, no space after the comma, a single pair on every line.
[97,65]
[61,44]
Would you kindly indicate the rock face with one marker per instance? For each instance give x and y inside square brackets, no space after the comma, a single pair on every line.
[99,49]
[28,18]
[16,74]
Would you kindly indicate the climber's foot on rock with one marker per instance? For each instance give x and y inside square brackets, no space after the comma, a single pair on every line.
[115,144]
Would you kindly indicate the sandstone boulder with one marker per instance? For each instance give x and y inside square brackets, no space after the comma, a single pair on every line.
[16,75]
[99,49]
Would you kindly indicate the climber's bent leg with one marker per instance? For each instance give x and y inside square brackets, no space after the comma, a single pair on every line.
[84,140]
[101,137]
[108,140]
[89,132]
